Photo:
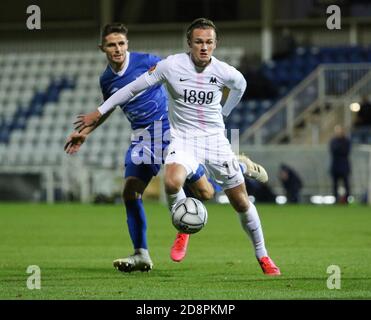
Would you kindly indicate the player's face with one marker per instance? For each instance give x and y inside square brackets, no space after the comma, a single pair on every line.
[115,47]
[202,45]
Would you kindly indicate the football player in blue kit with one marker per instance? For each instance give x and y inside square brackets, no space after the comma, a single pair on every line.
[145,112]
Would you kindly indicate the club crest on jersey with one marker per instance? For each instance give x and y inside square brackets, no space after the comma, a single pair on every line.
[213,80]
[152,69]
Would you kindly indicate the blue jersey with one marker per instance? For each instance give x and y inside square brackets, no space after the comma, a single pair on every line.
[146,107]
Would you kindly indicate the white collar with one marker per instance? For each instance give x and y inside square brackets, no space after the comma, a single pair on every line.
[126,64]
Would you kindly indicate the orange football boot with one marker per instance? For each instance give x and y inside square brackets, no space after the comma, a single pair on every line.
[268,267]
[179,248]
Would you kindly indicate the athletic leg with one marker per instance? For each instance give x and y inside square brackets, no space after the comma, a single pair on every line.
[335,181]
[137,178]
[226,170]
[251,224]
[249,217]
[136,218]
[346,186]
[175,176]
[202,189]
[176,173]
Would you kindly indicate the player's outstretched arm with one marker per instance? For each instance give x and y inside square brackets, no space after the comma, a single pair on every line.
[74,142]
[146,80]
[120,97]
[90,121]
[87,120]
[77,138]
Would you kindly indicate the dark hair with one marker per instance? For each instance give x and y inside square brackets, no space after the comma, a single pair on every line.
[115,27]
[201,23]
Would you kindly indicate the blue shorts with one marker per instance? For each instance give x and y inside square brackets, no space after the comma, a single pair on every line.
[147,151]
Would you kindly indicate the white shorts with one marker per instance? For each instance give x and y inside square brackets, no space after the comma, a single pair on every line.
[213,152]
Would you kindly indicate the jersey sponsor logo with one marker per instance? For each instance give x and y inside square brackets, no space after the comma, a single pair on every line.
[213,80]
[180,79]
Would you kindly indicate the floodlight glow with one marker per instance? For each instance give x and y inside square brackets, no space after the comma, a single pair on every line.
[319,199]
[355,107]
[281,200]
[328,199]
[316,199]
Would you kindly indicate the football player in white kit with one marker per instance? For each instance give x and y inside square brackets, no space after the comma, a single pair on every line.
[194,82]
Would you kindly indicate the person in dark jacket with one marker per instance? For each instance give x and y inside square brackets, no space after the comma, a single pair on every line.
[291,182]
[340,148]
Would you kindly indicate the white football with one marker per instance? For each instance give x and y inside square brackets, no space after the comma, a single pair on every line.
[189,215]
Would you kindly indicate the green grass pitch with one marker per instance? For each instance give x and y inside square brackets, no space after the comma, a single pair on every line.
[74,246]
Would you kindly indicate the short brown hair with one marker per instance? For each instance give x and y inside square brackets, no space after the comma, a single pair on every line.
[201,23]
[115,27]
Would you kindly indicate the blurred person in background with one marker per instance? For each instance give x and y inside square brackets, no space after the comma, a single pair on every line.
[262,192]
[291,182]
[340,148]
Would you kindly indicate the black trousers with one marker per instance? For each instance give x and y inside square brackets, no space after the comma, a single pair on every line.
[336,178]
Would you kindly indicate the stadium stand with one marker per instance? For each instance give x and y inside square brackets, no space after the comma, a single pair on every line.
[287,73]
[37,88]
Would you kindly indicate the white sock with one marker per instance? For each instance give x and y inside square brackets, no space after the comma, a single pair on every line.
[142,251]
[251,224]
[172,199]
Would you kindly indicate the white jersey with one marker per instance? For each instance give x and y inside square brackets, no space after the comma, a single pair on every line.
[194,93]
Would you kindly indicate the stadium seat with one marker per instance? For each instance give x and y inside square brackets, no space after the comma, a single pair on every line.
[286,73]
[41,93]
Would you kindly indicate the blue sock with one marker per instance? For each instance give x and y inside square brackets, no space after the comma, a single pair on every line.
[137,224]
